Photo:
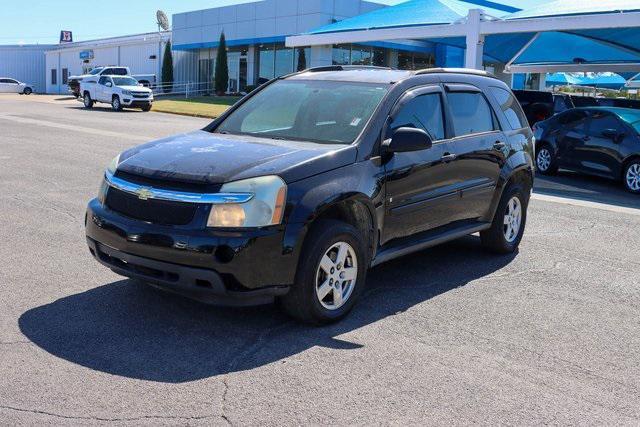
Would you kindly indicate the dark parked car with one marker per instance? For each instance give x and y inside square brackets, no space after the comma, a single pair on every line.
[620,103]
[584,101]
[540,105]
[313,178]
[598,140]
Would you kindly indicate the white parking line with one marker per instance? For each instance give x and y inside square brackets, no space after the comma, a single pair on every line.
[585,204]
[74,128]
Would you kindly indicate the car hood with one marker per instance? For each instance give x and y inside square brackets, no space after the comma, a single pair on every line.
[209,158]
[135,88]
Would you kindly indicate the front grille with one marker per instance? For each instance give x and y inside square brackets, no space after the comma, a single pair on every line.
[140,95]
[152,210]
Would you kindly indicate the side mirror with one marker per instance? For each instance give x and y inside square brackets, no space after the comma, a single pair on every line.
[108,84]
[612,134]
[408,139]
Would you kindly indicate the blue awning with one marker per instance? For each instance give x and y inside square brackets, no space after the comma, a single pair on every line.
[600,80]
[415,12]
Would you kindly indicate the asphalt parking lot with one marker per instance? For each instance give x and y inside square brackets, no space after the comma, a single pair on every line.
[451,335]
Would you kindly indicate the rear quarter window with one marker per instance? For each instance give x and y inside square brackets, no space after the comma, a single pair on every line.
[510,107]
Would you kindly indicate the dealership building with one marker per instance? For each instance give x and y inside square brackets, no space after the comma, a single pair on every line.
[270,38]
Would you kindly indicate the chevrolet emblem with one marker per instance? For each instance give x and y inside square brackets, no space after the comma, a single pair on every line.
[144,194]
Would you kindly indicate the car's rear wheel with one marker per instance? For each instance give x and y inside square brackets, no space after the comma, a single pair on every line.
[546,161]
[331,274]
[509,222]
[631,177]
[87,101]
[27,91]
[116,105]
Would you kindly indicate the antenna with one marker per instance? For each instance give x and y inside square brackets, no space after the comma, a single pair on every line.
[163,21]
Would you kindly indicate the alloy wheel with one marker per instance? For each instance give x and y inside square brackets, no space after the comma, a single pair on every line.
[336,276]
[512,220]
[633,177]
[543,160]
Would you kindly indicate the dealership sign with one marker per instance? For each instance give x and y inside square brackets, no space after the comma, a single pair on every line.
[86,54]
[66,36]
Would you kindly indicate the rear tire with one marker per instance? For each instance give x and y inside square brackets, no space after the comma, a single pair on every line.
[116,105]
[509,222]
[87,101]
[331,274]
[546,161]
[631,176]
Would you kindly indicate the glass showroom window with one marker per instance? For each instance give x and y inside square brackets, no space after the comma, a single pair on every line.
[284,61]
[341,54]
[267,60]
[361,55]
[302,57]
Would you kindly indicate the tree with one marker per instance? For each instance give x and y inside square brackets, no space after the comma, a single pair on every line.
[222,67]
[302,60]
[167,68]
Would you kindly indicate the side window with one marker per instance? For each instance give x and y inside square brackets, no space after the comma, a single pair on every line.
[54,76]
[470,113]
[65,76]
[422,112]
[601,121]
[510,107]
[103,80]
[573,120]
[106,71]
[120,71]
[4,80]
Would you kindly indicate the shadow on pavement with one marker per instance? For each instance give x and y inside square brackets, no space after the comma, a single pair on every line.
[589,188]
[127,329]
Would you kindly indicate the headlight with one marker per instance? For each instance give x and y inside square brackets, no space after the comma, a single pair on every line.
[113,166]
[265,208]
[126,92]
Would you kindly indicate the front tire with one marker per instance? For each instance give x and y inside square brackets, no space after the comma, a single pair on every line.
[116,105]
[331,274]
[509,222]
[27,91]
[631,176]
[546,162]
[146,108]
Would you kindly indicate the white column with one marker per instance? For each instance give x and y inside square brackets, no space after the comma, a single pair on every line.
[475,40]
[542,85]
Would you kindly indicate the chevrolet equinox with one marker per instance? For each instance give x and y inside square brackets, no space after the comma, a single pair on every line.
[313,178]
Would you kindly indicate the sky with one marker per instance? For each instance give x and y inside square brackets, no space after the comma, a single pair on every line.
[40,21]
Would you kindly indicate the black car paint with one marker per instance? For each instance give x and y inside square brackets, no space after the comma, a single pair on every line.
[407,200]
[578,148]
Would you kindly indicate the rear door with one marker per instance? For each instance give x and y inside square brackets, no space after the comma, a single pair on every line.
[571,132]
[419,191]
[479,150]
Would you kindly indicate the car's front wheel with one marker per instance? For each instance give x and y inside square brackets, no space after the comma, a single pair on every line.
[146,108]
[27,91]
[116,105]
[631,177]
[331,274]
[546,160]
[509,222]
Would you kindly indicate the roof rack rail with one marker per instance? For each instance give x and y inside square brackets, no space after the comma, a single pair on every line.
[456,70]
[345,68]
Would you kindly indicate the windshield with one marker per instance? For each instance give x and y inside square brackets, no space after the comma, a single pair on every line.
[95,71]
[633,118]
[125,81]
[307,110]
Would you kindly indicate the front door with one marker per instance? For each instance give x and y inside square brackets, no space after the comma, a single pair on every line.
[572,132]
[479,148]
[103,93]
[234,71]
[599,151]
[419,191]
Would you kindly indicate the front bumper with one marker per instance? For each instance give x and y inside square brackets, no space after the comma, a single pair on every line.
[219,267]
[136,102]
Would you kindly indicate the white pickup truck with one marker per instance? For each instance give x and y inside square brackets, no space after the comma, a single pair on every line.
[148,80]
[119,91]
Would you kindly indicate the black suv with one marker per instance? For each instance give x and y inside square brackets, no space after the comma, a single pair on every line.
[313,178]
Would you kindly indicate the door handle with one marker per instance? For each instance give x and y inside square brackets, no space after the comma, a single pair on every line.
[448,157]
[499,145]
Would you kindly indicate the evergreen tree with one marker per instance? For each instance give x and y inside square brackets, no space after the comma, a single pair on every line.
[167,68]
[302,60]
[222,67]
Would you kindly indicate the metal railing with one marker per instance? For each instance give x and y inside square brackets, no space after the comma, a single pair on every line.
[188,89]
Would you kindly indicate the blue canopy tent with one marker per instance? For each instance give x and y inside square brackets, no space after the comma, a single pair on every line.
[563,35]
[596,80]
